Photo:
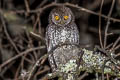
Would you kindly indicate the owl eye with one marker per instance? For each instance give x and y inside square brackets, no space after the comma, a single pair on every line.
[66,17]
[57,18]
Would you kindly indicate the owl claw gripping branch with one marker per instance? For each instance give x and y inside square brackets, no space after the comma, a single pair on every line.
[68,60]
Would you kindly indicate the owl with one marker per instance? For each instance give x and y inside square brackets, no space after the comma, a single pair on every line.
[61,30]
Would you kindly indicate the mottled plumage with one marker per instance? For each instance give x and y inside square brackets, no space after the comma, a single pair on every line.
[67,60]
[61,30]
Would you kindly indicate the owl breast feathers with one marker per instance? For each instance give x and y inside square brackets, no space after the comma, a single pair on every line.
[61,28]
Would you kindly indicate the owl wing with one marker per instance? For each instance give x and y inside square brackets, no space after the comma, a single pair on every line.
[77,37]
[74,34]
[49,36]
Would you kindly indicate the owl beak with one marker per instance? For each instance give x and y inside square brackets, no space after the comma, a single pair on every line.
[61,22]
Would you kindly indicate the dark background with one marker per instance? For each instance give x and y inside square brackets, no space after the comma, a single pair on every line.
[21,17]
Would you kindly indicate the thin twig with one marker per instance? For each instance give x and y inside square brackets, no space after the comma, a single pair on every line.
[115,43]
[40,10]
[46,68]
[17,72]
[111,32]
[36,64]
[27,5]
[84,75]
[38,36]
[108,23]
[100,35]
[8,36]
[117,47]
[118,54]
[39,24]
[91,12]
[35,24]
[20,54]
[108,46]
[31,45]
[107,75]
[42,3]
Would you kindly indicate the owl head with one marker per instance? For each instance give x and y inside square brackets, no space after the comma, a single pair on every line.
[61,16]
